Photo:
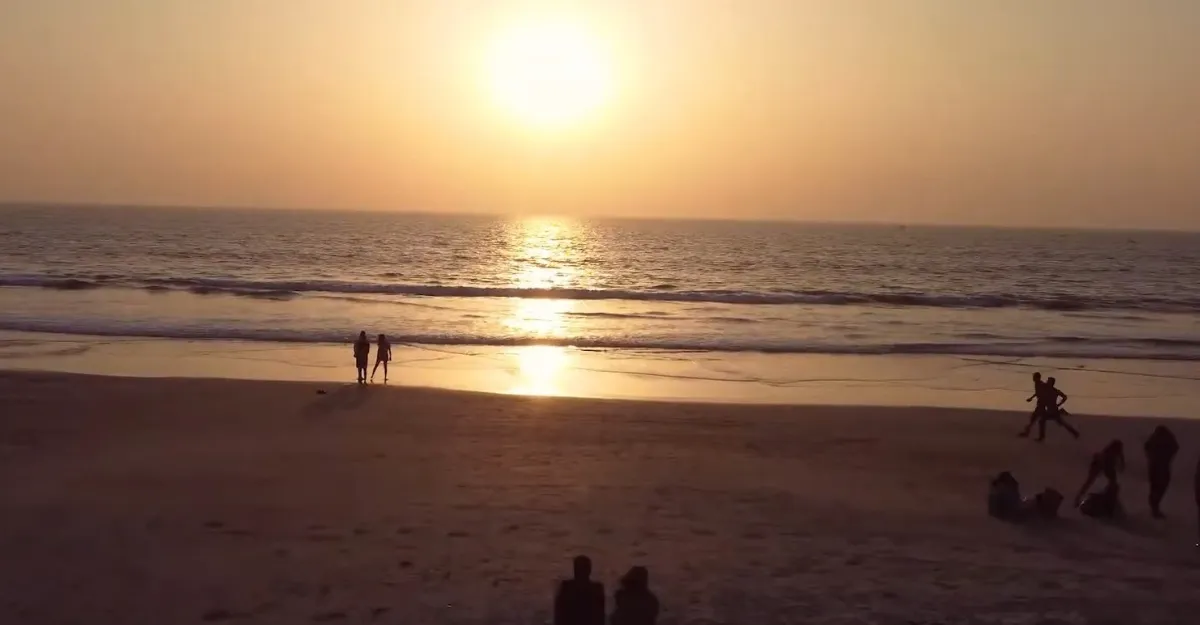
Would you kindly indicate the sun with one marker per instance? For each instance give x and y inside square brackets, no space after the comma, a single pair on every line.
[549,72]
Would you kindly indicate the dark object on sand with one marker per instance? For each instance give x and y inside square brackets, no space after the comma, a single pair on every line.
[1160,450]
[635,604]
[1105,504]
[579,600]
[1005,501]
[320,391]
[1047,503]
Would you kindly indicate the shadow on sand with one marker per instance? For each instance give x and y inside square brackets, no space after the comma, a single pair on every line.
[346,397]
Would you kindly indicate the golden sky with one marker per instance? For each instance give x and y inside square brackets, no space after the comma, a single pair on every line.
[1013,112]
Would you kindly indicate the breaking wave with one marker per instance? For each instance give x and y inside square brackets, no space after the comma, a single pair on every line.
[285,290]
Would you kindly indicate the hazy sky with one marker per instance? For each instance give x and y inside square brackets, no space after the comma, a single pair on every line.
[1060,112]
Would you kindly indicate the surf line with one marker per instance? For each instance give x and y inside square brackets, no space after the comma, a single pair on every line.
[1082,369]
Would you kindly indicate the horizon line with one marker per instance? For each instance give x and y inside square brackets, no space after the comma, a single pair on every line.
[10,204]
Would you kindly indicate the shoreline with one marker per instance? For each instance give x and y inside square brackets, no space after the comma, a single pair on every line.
[1119,388]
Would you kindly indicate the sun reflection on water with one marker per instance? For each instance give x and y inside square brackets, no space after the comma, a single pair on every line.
[544,256]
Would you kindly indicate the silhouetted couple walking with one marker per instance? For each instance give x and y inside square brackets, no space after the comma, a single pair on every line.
[580,601]
[362,355]
[1050,402]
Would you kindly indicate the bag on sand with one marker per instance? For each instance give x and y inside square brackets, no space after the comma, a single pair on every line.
[1047,503]
[1105,504]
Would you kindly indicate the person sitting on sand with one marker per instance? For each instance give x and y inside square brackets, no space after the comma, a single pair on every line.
[1036,415]
[1004,497]
[579,600]
[383,354]
[362,351]
[635,604]
[1050,403]
[1160,449]
[1005,501]
[1109,461]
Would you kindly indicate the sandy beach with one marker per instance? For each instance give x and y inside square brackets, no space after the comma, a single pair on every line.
[186,501]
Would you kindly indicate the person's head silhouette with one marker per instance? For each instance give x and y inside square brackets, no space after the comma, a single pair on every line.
[1037,376]
[637,579]
[1050,382]
[362,336]
[382,338]
[583,568]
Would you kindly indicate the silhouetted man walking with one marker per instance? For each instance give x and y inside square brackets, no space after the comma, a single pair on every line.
[1160,448]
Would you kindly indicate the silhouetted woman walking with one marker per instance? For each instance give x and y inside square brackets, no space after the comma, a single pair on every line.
[383,354]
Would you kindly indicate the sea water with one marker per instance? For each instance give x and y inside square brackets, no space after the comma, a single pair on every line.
[697,286]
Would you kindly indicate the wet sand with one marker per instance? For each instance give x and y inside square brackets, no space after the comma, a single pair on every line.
[156,501]
[1110,387]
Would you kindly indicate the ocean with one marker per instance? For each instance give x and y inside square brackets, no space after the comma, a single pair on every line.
[596,284]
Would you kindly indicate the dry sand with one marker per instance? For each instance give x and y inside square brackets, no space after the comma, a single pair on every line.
[162,501]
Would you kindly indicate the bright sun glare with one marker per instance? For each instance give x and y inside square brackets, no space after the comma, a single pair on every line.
[549,72]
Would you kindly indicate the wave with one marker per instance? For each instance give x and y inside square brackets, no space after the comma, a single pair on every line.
[611,315]
[1151,348]
[287,289]
[61,284]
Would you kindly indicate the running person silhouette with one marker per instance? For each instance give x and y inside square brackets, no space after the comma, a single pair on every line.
[1036,415]
[1050,404]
